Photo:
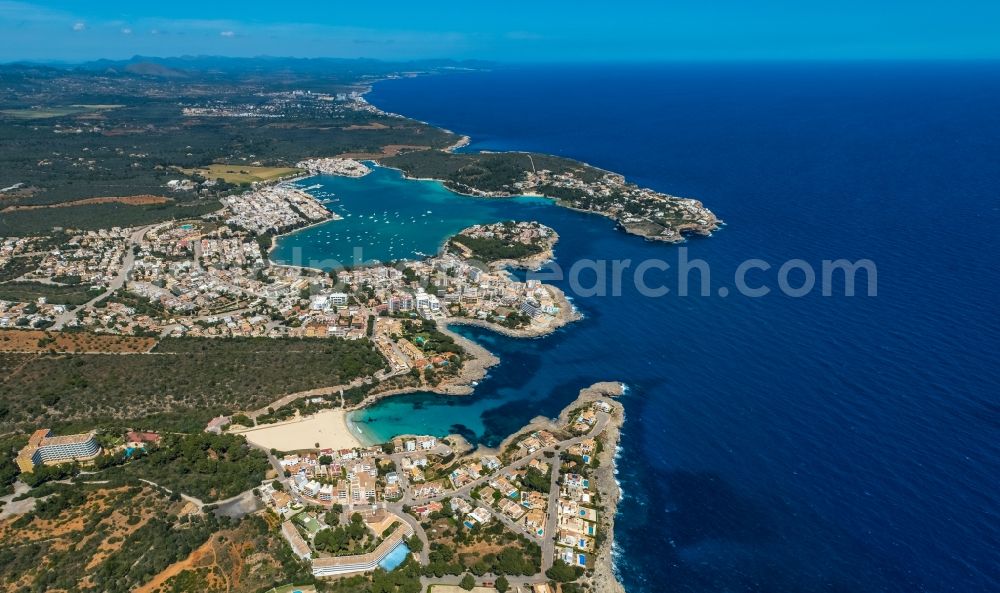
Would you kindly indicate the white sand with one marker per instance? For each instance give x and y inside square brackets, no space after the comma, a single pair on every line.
[329,428]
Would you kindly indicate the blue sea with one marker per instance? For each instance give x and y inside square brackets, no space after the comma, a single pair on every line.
[773,444]
[384,217]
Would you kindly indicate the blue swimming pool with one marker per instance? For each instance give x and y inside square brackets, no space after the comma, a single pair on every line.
[396,557]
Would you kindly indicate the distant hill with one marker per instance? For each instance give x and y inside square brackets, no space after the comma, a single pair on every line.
[185,66]
[153,69]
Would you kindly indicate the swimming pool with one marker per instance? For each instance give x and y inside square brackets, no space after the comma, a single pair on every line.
[396,557]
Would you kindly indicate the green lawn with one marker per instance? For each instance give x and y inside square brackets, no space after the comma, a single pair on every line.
[240,173]
[51,112]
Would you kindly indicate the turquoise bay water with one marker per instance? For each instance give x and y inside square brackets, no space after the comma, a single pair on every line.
[776,444]
[387,217]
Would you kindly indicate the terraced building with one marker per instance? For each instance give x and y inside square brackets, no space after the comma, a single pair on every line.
[43,449]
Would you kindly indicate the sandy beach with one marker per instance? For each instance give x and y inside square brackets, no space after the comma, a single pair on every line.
[329,428]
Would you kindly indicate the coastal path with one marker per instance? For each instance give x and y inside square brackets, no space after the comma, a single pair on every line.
[237,506]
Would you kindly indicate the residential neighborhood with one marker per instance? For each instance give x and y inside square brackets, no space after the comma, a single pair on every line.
[540,490]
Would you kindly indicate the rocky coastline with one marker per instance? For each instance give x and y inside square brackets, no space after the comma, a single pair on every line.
[567,314]
[605,578]
[532,262]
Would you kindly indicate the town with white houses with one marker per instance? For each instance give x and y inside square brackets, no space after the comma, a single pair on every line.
[541,486]
[345,511]
[211,277]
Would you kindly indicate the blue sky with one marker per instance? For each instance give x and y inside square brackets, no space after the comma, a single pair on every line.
[513,30]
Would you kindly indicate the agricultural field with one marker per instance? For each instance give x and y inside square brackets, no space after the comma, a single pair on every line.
[35,341]
[239,174]
[54,111]
[72,135]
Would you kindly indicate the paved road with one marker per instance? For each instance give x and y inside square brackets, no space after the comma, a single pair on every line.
[117,282]
[291,397]
[418,531]
[547,543]
[599,426]
[242,504]
[517,584]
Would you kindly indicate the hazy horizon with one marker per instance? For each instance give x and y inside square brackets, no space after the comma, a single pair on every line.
[500,62]
[520,32]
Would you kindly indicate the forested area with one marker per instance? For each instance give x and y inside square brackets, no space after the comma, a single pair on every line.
[202,375]
[207,466]
[492,249]
[82,133]
[487,171]
[116,536]
[29,292]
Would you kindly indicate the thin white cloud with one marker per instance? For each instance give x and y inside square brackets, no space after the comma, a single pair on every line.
[158,35]
[24,12]
[524,36]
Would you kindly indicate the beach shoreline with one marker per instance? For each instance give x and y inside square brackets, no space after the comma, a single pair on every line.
[330,428]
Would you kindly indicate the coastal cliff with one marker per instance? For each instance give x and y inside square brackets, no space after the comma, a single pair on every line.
[604,579]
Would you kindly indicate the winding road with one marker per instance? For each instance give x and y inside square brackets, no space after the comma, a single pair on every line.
[117,282]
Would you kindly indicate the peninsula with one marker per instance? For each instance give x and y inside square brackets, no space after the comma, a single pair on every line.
[146,335]
[637,210]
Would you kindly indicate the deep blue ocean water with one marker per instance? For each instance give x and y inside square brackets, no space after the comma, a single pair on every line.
[772,444]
